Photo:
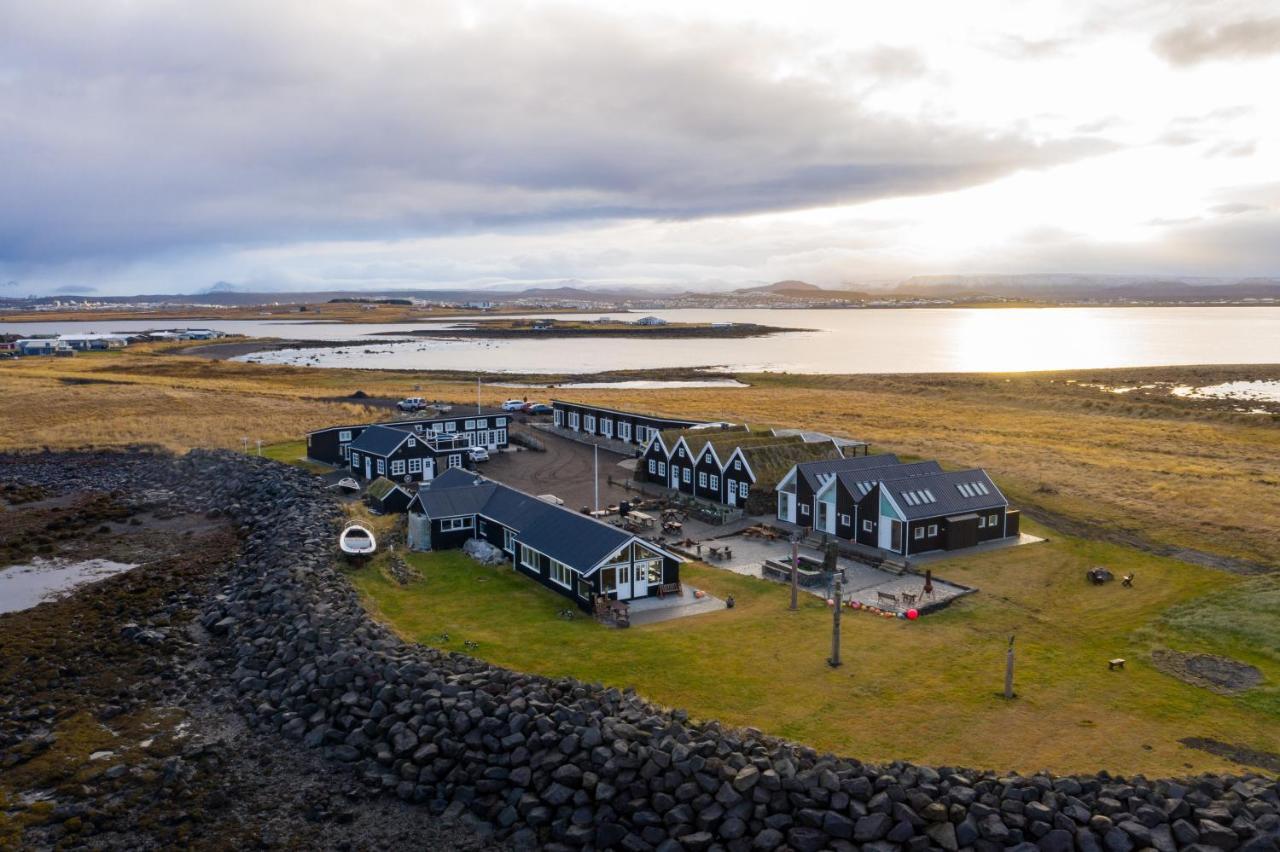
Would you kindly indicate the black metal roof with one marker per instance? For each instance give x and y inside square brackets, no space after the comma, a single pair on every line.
[379,440]
[812,471]
[570,537]
[941,494]
[860,483]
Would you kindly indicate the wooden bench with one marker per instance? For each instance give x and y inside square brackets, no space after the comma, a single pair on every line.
[1117,663]
[669,589]
[886,598]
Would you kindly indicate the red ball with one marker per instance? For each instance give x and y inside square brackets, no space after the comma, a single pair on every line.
[830,602]
[913,614]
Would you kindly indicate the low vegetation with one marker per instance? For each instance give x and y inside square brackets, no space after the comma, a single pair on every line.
[927,691]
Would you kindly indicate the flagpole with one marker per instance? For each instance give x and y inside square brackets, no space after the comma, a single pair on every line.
[596,475]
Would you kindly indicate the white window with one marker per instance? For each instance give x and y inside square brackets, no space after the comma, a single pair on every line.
[412,441]
[702,479]
[993,521]
[608,580]
[867,526]
[590,422]
[688,474]
[415,465]
[342,449]
[471,424]
[500,421]
[355,459]
[919,533]
[344,435]
[742,490]
[715,482]
[737,465]
[451,524]
[500,437]
[573,420]
[982,523]
[455,460]
[933,530]
[561,573]
[508,541]
[624,431]
[558,417]
[662,468]
[653,466]
[382,466]
[451,426]
[529,558]
[397,467]
[804,509]
[437,427]
[482,424]
[844,520]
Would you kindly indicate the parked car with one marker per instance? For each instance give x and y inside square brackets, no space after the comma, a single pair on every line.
[478,454]
[513,405]
[539,408]
[412,403]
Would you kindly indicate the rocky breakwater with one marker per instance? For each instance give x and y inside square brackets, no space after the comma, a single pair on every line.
[567,765]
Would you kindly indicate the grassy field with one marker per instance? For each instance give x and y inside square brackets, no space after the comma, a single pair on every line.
[1126,475]
[926,691]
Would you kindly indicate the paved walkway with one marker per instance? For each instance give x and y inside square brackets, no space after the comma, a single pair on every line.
[653,609]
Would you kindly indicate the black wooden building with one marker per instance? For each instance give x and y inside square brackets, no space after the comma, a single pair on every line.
[626,426]
[570,553]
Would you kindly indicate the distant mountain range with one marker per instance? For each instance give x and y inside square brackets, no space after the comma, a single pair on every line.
[1043,287]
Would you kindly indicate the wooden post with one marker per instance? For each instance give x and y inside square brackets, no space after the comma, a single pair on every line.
[795,572]
[834,660]
[1008,671]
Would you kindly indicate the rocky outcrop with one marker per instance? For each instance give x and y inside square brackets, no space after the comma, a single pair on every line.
[562,764]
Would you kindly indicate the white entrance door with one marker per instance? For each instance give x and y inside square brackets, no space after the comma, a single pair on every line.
[640,580]
[624,582]
[826,517]
[731,492]
[786,507]
[675,477]
[368,468]
[428,469]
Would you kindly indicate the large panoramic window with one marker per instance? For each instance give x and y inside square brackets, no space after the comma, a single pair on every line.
[451,524]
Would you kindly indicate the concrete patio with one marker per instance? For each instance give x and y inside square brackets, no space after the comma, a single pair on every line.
[653,609]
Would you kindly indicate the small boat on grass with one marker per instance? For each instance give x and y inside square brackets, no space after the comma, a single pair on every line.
[348,485]
[357,541]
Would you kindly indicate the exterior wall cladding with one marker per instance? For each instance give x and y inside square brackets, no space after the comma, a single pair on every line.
[619,425]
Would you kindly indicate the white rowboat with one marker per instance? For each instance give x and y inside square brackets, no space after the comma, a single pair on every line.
[357,540]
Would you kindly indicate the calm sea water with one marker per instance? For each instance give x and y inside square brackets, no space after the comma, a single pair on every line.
[836,341]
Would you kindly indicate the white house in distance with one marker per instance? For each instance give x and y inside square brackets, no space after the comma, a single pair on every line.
[650,321]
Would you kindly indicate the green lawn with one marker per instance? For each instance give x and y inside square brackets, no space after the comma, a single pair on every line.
[923,691]
[292,452]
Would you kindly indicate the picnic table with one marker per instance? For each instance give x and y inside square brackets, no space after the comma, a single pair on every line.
[600,513]
[640,518]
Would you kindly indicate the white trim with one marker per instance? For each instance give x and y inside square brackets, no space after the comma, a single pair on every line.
[791,475]
[737,451]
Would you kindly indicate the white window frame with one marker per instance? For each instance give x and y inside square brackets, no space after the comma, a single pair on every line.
[845,520]
[455,524]
[415,465]
[557,417]
[501,437]
[933,530]
[470,424]
[737,465]
[715,482]
[482,423]
[868,525]
[525,550]
[624,430]
[397,467]
[455,460]
[451,426]
[653,466]
[413,442]
[702,479]
[918,533]
[662,468]
[982,522]
[382,467]
[560,574]
[743,488]
[589,422]
[687,473]
[500,421]
[993,520]
[573,420]
[508,540]
[804,509]
[344,435]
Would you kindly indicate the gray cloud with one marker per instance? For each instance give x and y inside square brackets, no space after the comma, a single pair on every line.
[1193,43]
[147,131]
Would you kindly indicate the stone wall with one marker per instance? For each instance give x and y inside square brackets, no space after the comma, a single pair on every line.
[564,764]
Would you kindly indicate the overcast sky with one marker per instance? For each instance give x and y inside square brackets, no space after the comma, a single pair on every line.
[165,146]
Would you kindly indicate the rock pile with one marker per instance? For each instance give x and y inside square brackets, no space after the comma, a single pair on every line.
[564,764]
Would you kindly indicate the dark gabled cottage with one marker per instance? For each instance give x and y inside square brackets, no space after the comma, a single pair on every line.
[863,491]
[943,511]
[404,455]
[485,428]
[385,496]
[798,489]
[572,554]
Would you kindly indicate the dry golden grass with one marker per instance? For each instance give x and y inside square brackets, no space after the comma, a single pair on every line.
[1167,471]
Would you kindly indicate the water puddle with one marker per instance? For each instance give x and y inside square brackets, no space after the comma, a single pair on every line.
[1249,391]
[24,586]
